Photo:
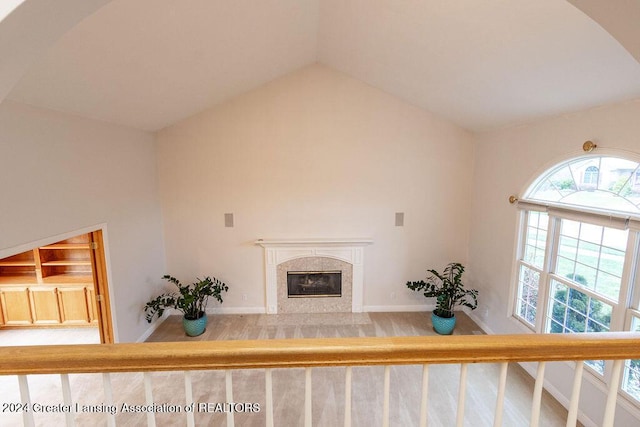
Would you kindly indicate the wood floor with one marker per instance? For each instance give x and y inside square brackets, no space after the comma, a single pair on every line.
[288,385]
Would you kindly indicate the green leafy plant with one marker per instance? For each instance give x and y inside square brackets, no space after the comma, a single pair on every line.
[191,299]
[448,290]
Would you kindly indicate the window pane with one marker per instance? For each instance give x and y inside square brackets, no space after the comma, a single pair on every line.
[536,238]
[631,378]
[612,261]
[565,267]
[615,239]
[598,365]
[590,177]
[579,303]
[568,247]
[528,294]
[599,316]
[586,276]
[572,311]
[587,261]
[597,182]
[591,233]
[570,228]
[631,381]
[608,285]
[588,253]
[534,219]
[563,182]
[559,297]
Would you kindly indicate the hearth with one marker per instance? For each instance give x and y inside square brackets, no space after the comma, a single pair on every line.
[314,284]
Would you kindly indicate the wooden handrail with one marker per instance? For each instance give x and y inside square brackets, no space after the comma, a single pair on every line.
[290,353]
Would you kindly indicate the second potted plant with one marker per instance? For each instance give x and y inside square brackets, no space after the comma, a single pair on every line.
[191,300]
[449,292]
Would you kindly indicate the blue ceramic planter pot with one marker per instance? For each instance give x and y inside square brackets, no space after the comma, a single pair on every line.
[193,328]
[443,325]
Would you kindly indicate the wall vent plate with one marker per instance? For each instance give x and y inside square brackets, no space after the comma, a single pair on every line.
[399,219]
[228,220]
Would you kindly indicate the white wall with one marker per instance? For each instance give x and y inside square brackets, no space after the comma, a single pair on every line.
[315,154]
[28,28]
[61,173]
[506,162]
[619,17]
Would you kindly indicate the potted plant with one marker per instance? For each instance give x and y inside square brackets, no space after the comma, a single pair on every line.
[449,292]
[191,300]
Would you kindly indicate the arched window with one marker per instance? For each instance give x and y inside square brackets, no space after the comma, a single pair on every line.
[578,254]
[590,176]
[608,183]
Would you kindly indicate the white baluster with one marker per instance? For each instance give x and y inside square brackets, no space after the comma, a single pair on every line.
[502,384]
[108,398]
[25,397]
[610,409]
[572,416]
[66,398]
[462,392]
[188,397]
[387,388]
[268,381]
[148,395]
[537,395]
[347,396]
[425,391]
[229,383]
[307,398]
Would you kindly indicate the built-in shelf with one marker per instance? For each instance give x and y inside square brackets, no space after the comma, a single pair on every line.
[71,278]
[49,285]
[17,264]
[66,246]
[65,262]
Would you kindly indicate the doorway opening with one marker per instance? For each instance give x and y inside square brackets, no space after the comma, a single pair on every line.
[56,294]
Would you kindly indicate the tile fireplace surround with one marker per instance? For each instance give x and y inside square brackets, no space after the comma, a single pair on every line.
[345,254]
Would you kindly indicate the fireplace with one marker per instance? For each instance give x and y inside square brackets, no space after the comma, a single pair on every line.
[315,258]
[314,284]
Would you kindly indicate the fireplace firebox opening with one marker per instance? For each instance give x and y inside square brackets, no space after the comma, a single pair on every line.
[314,284]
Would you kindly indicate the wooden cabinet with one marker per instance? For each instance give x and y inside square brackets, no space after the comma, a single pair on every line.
[16,306]
[49,286]
[44,305]
[74,305]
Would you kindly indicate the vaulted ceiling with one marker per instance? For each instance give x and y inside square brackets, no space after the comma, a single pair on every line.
[481,64]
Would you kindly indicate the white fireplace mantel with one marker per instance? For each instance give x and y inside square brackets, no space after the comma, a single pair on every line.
[277,251]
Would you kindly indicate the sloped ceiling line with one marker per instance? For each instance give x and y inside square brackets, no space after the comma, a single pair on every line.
[482,65]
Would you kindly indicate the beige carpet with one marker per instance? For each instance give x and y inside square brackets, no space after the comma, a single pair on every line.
[49,336]
[288,385]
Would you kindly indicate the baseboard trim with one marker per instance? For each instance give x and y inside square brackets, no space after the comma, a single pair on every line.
[487,330]
[155,325]
[237,310]
[396,308]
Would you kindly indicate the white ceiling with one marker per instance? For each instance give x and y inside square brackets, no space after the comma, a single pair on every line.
[481,64]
